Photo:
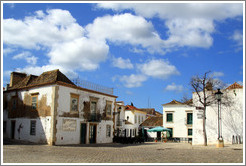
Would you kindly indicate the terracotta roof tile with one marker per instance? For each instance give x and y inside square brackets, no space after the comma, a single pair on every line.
[235,86]
[174,102]
[46,77]
[130,107]
[153,121]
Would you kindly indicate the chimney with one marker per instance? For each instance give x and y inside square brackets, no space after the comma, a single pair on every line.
[16,77]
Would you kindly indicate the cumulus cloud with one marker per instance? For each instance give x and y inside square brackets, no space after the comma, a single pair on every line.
[122,63]
[126,29]
[217,74]
[133,80]
[42,29]
[8,50]
[27,56]
[57,32]
[158,68]
[174,87]
[37,70]
[238,37]
[189,24]
[81,54]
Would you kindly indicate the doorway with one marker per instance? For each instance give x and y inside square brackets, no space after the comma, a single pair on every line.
[92,133]
[83,133]
[13,129]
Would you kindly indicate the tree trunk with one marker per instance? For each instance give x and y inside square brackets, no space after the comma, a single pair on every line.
[204,127]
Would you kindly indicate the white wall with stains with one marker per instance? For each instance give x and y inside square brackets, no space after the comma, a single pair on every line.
[232,120]
[73,136]
[22,124]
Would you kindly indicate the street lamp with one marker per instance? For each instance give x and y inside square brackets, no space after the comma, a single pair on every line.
[220,142]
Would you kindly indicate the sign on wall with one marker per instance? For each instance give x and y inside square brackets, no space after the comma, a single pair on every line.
[69,125]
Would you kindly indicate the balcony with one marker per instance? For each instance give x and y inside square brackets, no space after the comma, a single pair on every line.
[94,117]
[119,123]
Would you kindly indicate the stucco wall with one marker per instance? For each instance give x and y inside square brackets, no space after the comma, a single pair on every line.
[180,128]
[22,123]
[232,120]
[73,135]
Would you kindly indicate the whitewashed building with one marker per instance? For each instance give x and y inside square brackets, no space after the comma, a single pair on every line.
[178,117]
[119,119]
[134,117]
[232,118]
[51,109]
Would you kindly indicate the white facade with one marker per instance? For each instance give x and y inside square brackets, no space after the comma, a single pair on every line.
[178,124]
[232,119]
[54,121]
[73,135]
[19,127]
[134,118]
[119,119]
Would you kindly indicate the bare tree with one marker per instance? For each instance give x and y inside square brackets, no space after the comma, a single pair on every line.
[204,86]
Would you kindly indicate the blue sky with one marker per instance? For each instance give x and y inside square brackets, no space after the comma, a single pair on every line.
[145,51]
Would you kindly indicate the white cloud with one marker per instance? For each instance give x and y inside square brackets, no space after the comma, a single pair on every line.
[158,69]
[217,74]
[189,24]
[174,87]
[42,29]
[122,63]
[79,54]
[133,80]
[126,29]
[37,70]
[129,92]
[238,37]
[27,56]
[8,50]
[59,33]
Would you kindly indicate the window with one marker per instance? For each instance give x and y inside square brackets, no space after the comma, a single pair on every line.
[109,109]
[142,119]
[74,103]
[189,118]
[33,127]
[139,119]
[135,118]
[108,130]
[189,132]
[93,107]
[34,102]
[169,117]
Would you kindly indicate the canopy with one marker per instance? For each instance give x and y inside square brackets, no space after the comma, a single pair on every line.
[159,128]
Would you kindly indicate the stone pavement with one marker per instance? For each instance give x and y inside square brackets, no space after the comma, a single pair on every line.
[148,152]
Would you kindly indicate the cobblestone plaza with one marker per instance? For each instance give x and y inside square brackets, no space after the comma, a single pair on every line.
[148,152]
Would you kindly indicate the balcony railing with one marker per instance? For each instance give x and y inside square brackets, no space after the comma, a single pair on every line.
[94,117]
[93,86]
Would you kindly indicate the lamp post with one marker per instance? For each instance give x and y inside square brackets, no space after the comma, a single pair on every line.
[220,142]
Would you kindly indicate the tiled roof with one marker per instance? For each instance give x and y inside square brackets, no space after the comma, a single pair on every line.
[153,121]
[235,86]
[130,107]
[148,110]
[46,77]
[174,102]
